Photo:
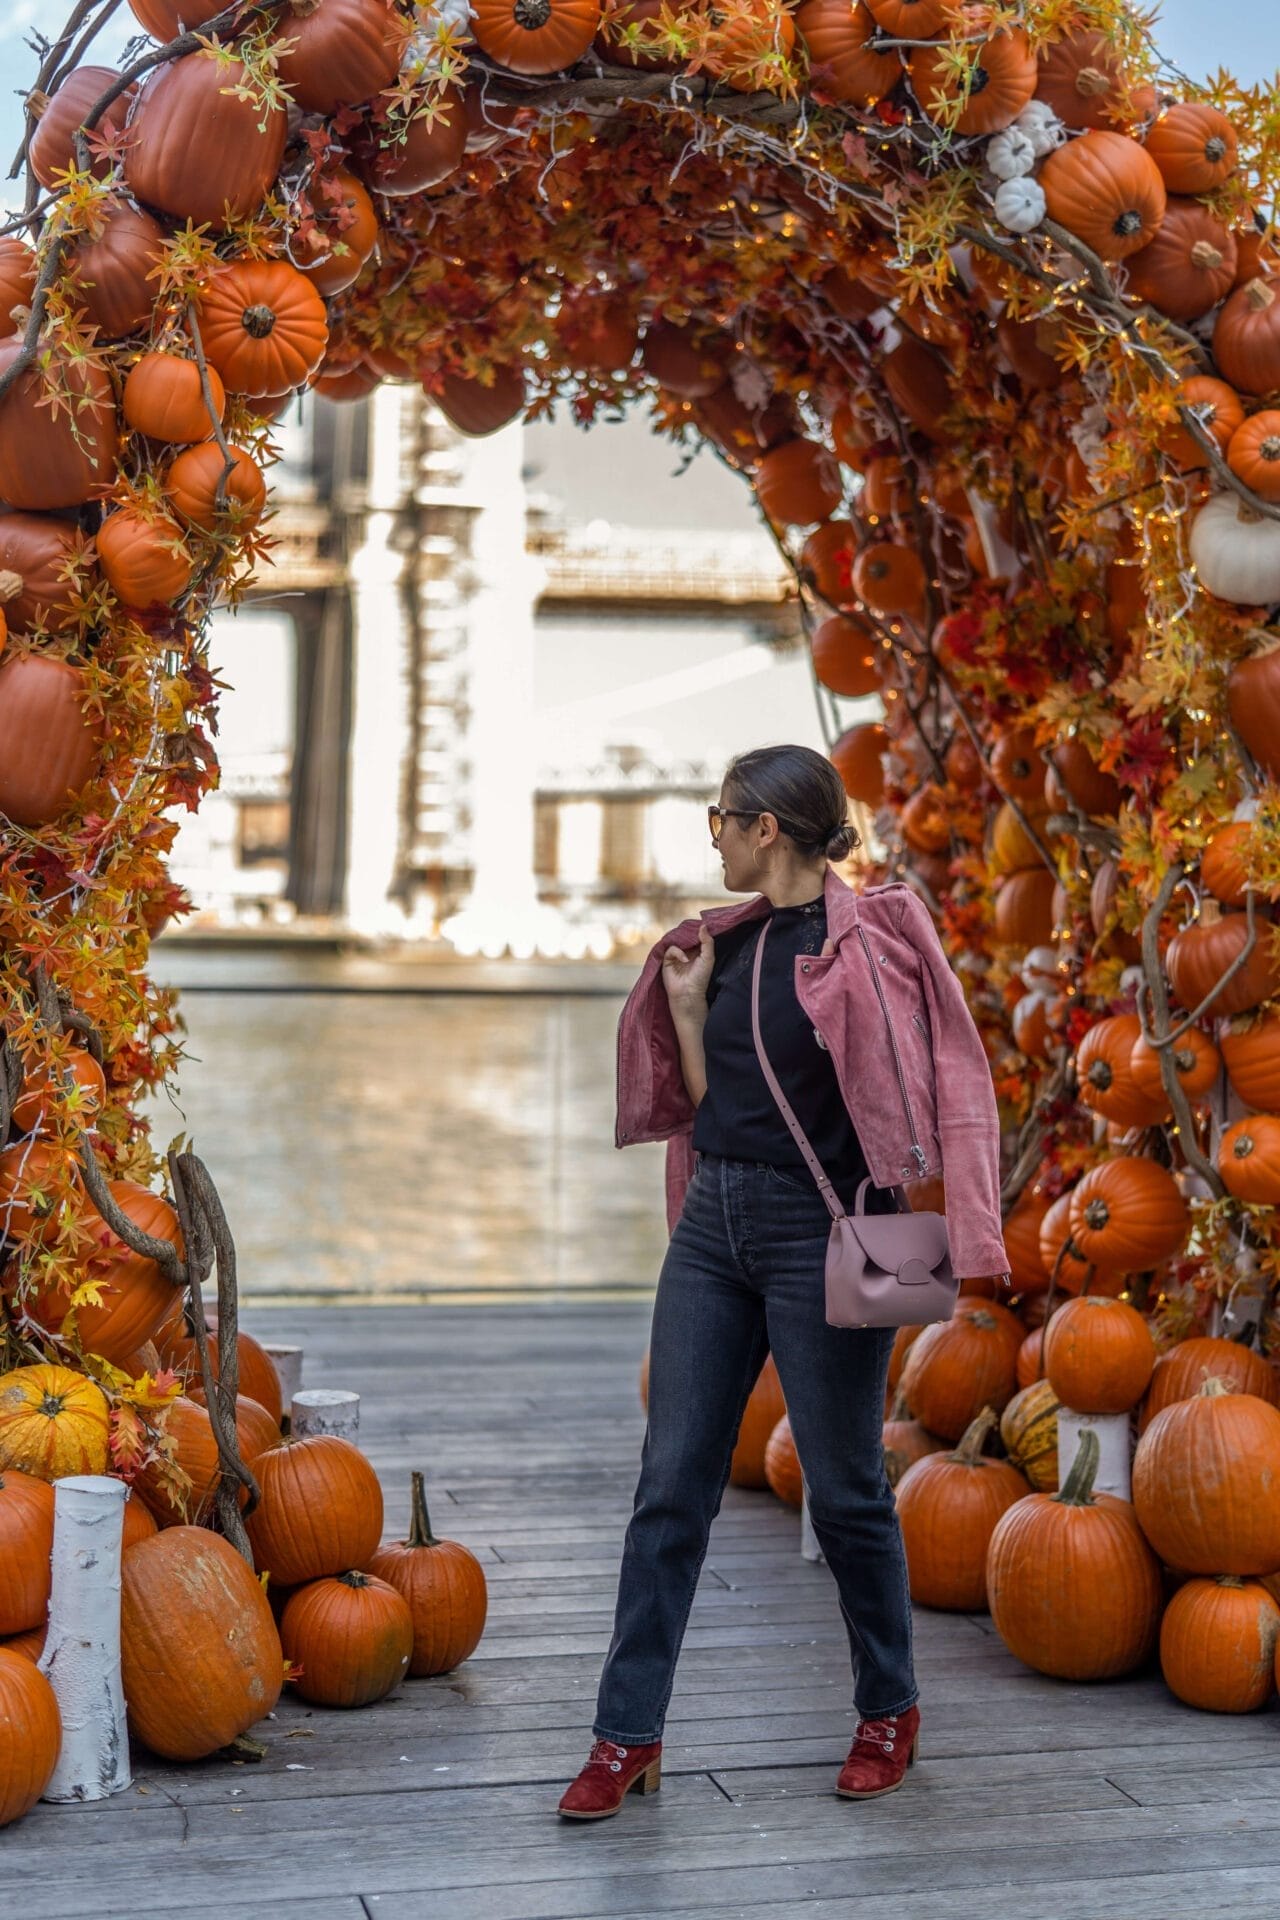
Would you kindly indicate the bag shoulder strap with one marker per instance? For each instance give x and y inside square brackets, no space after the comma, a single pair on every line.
[835,1206]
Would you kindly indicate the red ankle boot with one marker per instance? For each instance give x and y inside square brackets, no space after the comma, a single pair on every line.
[882,1751]
[610,1772]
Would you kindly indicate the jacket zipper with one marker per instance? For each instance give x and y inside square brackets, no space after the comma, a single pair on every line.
[916,1148]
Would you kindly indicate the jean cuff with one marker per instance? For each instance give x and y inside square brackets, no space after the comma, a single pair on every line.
[877,1713]
[626,1739]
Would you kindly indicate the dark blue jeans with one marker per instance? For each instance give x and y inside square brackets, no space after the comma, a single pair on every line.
[743,1276]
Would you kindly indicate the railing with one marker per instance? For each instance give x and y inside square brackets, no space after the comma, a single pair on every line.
[733,569]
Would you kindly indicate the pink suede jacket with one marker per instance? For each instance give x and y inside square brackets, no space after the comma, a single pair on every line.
[928,1109]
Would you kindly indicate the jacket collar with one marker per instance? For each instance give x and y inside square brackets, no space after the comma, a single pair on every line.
[843,911]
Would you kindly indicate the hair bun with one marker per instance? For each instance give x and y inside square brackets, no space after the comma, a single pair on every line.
[841,842]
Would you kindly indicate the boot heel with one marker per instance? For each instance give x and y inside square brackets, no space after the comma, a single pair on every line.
[650,1780]
[915,1748]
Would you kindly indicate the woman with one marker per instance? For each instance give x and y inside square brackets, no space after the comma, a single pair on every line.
[743,1274]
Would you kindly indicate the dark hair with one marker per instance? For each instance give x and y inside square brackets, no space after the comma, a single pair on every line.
[802,790]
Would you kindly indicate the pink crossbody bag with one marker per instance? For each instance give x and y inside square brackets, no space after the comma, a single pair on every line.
[883,1270]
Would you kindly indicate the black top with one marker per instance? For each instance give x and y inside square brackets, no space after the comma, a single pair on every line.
[738,1116]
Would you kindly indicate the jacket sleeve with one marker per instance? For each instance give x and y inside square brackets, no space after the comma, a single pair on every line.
[968,1122]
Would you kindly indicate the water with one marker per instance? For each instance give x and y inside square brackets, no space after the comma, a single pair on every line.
[400,1147]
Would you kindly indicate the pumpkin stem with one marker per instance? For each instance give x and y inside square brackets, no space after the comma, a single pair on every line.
[974,1437]
[531,14]
[1258,295]
[1092,81]
[1228,1580]
[1206,256]
[1213,1388]
[420,1534]
[353,1579]
[901,1408]
[11,584]
[258,321]
[1077,1490]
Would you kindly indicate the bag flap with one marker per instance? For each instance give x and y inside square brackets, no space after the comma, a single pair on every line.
[889,1239]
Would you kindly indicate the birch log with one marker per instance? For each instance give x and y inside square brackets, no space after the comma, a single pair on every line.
[325,1410]
[81,1657]
[287,1362]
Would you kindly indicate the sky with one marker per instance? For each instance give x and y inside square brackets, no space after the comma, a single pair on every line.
[1242,35]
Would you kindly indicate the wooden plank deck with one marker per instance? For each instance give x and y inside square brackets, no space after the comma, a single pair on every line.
[1032,1798]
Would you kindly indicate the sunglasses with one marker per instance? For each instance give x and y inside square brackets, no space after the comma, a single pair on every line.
[717,815]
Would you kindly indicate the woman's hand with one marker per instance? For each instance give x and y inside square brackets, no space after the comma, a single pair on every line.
[687,976]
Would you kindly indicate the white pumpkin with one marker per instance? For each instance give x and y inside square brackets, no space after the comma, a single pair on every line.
[1236,552]
[1019,204]
[1042,127]
[1010,154]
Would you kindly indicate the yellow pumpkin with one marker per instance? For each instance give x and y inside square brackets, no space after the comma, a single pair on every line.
[52,1422]
[1029,1429]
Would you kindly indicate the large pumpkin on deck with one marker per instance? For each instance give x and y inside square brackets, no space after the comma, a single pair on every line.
[444,1586]
[30,1735]
[200,1656]
[948,1506]
[320,1511]
[1206,1483]
[956,1368]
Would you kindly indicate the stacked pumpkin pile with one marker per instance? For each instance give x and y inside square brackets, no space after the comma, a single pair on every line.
[207,1642]
[1083,1584]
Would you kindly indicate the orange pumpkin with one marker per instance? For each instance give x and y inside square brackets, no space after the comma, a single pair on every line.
[197,476]
[1246,338]
[844,62]
[32,1735]
[1058,1249]
[1249,1160]
[350,1637]
[641,22]
[1074,768]
[191,1692]
[475,409]
[826,561]
[207,143]
[1224,862]
[1205,1488]
[164,399]
[910,19]
[1105,1077]
[1128,1214]
[26,1543]
[858,757]
[956,1368]
[917,382]
[185,1496]
[258,1376]
[1024,908]
[1252,1059]
[17,280]
[55,461]
[845,654]
[51,149]
[925,821]
[44,561]
[948,1505]
[431,150]
[905,1439]
[1106,190]
[1253,453]
[1194,146]
[1196,1062]
[444,1586]
[1082,81]
[110,267]
[143,557]
[1188,266]
[1197,959]
[1073,1587]
[1217,407]
[535,36]
[1218,1644]
[782,1465]
[1098,1355]
[32,1110]
[746,46]
[765,1407]
[997,81]
[263,325]
[890,579]
[341,233]
[339,54]
[1017,767]
[49,743]
[1183,1370]
[798,483]
[682,360]
[320,1512]
[134,1294]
